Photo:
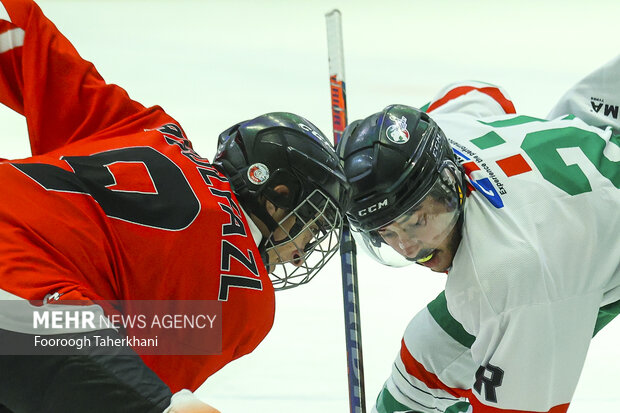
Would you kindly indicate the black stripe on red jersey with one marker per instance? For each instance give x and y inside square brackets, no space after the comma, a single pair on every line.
[172,205]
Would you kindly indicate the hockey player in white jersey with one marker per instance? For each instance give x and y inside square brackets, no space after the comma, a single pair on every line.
[522,213]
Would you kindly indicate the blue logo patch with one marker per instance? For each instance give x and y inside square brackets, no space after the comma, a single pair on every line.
[482,184]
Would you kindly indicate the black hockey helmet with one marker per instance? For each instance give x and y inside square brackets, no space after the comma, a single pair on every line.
[283,148]
[393,159]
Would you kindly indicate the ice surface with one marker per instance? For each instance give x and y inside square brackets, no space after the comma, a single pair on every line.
[213,63]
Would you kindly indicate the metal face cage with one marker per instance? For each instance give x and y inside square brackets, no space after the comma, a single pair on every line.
[307,245]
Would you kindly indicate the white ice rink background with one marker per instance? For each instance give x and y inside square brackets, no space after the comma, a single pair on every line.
[213,63]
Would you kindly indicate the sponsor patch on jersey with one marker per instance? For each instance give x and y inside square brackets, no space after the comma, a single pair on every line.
[601,107]
[479,181]
[258,173]
[397,132]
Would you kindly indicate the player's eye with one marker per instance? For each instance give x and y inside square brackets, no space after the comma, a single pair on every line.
[387,234]
[421,221]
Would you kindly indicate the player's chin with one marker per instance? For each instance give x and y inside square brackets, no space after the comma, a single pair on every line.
[282,259]
[440,262]
[442,269]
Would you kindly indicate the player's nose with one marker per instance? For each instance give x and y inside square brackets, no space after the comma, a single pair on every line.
[410,247]
[308,244]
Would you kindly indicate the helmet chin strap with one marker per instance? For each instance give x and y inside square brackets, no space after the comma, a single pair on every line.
[260,211]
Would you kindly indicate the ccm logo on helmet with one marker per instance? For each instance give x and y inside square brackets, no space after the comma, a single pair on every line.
[316,134]
[373,208]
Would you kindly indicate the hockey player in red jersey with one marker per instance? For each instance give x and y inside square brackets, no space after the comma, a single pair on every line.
[521,213]
[115,204]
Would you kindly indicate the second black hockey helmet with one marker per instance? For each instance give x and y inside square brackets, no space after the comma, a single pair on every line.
[393,160]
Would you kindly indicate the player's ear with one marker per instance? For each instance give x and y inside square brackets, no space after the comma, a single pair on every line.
[275,212]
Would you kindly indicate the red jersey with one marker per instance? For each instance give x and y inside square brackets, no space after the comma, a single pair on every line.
[114,204]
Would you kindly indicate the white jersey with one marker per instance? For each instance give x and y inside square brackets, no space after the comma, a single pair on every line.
[537,272]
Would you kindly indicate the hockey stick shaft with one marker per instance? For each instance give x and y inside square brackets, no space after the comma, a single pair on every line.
[355,367]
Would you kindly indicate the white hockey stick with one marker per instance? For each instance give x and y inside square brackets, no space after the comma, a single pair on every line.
[355,368]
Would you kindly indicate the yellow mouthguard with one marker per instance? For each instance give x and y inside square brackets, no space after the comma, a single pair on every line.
[423,260]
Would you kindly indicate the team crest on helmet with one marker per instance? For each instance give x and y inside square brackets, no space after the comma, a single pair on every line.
[397,132]
[258,173]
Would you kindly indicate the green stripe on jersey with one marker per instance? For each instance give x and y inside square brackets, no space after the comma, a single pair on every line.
[386,403]
[439,311]
[519,120]
[605,315]
[458,407]
[425,107]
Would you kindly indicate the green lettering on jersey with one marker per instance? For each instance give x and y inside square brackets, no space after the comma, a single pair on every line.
[517,120]
[489,140]
[542,147]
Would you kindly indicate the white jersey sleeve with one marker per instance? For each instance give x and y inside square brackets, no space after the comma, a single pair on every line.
[434,368]
[595,99]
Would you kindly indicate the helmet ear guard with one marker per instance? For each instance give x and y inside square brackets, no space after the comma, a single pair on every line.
[285,200]
[452,177]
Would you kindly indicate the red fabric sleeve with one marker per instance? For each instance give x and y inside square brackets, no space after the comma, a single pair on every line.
[42,77]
